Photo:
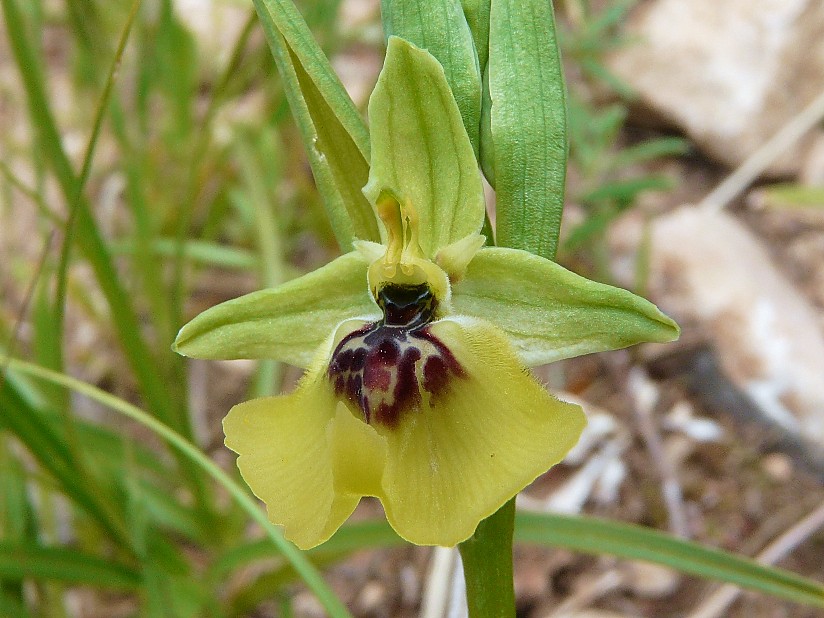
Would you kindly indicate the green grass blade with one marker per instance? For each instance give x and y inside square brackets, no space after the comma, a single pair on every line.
[596,536]
[349,538]
[269,374]
[587,535]
[623,192]
[197,166]
[527,125]
[87,234]
[196,251]
[12,607]
[52,453]
[651,150]
[68,565]
[307,571]
[334,134]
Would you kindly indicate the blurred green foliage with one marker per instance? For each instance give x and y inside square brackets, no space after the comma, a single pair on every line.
[607,172]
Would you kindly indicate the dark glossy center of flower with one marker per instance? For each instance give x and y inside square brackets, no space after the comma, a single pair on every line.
[390,367]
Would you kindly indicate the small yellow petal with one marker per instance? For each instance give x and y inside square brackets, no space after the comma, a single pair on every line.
[285,459]
[475,444]
[455,258]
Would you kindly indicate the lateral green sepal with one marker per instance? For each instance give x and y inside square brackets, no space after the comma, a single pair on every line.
[550,313]
[286,323]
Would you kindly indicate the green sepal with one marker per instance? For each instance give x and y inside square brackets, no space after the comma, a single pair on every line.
[527,125]
[550,313]
[439,27]
[286,323]
[420,151]
[335,136]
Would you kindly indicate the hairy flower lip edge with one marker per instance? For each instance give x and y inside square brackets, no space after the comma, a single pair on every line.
[540,414]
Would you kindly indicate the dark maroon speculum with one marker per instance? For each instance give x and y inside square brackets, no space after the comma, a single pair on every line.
[393,366]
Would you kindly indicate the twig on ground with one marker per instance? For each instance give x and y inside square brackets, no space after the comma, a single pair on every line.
[760,160]
[645,397]
[589,593]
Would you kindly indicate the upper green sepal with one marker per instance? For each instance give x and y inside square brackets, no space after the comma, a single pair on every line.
[440,27]
[550,313]
[421,153]
[286,323]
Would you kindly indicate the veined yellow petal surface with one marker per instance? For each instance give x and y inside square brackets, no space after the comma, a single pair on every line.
[285,458]
[358,454]
[481,440]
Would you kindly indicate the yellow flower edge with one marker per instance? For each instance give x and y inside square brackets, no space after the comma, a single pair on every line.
[446,465]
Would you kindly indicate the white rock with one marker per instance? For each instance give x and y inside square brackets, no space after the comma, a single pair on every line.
[708,268]
[730,73]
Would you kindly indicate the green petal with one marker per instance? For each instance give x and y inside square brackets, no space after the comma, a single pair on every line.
[550,313]
[493,431]
[286,460]
[420,150]
[287,323]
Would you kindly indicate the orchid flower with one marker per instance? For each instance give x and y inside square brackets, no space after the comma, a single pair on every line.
[416,349]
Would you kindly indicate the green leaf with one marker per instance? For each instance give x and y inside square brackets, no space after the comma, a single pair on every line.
[52,452]
[307,572]
[439,27]
[527,125]
[335,137]
[286,323]
[596,536]
[477,16]
[420,151]
[68,565]
[550,313]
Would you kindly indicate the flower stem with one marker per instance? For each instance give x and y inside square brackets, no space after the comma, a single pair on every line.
[487,565]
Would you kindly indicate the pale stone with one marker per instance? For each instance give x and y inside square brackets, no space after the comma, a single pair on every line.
[729,73]
[708,268]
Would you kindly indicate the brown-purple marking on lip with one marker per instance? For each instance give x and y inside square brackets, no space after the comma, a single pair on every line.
[388,368]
